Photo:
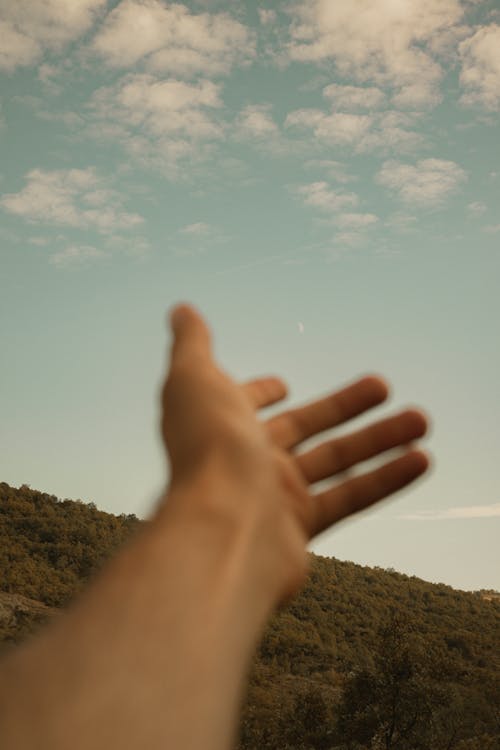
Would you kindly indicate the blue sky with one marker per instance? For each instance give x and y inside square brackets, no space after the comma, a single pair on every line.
[321,179]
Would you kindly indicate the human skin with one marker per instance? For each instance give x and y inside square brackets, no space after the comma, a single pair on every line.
[155,653]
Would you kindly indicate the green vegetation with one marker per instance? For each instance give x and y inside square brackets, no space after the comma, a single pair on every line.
[362,659]
[50,548]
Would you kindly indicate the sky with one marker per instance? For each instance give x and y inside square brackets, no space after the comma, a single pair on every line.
[320,179]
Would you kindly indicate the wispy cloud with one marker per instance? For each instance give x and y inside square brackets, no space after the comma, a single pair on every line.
[463,512]
[401,222]
[199,228]
[492,229]
[75,255]
[476,208]
[198,238]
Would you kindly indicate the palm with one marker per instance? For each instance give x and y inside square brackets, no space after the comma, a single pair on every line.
[198,387]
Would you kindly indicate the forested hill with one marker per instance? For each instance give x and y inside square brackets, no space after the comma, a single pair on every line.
[362,659]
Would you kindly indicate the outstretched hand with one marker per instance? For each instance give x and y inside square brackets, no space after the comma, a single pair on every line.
[166,632]
[209,419]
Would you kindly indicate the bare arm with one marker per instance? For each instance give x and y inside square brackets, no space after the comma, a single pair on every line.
[155,653]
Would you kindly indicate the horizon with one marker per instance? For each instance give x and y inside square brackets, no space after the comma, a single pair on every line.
[326,197]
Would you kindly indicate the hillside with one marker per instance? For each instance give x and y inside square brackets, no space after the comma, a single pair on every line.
[362,659]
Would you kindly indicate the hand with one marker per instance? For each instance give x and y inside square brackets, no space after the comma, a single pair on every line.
[210,421]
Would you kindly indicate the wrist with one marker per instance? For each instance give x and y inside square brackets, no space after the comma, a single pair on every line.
[217,551]
[251,533]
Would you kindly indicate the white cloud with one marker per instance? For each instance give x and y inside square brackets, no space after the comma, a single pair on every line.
[392,131]
[75,255]
[159,107]
[348,98]
[160,123]
[464,512]
[70,197]
[340,128]
[427,183]
[255,125]
[480,74]
[28,27]
[382,41]
[492,229]
[379,131]
[172,39]
[321,196]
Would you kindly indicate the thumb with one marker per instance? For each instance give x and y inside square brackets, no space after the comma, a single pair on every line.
[192,335]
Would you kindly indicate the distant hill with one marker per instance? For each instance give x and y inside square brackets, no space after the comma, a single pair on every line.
[362,659]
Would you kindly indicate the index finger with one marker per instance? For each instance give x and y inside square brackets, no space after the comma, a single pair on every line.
[296,425]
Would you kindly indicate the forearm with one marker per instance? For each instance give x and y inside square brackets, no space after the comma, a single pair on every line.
[153,655]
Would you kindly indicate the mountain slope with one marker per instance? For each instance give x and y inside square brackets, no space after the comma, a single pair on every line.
[361,659]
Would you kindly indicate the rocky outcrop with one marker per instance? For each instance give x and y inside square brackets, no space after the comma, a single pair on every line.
[20,616]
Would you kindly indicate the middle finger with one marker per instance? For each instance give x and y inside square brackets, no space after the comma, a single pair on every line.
[296,425]
[340,454]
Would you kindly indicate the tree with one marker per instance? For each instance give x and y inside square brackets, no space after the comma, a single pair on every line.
[391,705]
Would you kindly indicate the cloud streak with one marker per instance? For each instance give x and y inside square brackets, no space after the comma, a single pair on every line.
[448,514]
